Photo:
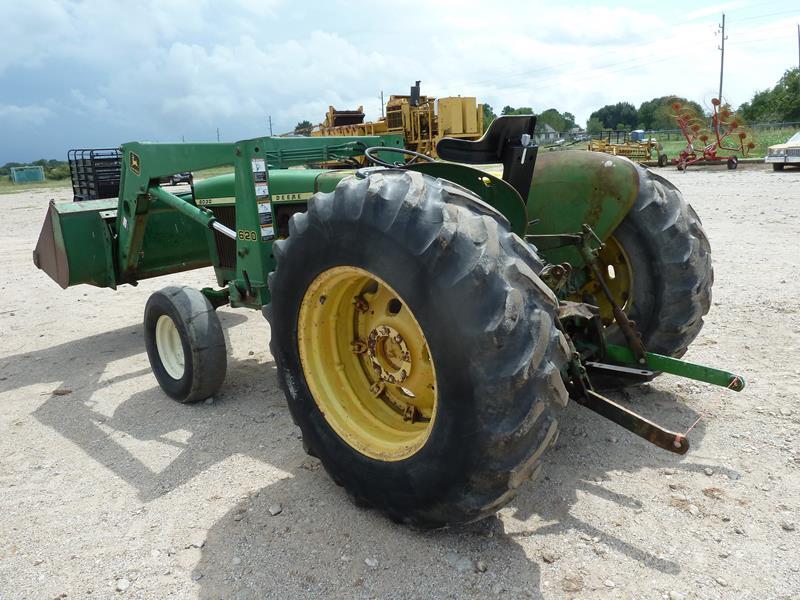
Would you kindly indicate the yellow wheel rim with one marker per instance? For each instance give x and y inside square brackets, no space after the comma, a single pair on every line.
[617,272]
[367,363]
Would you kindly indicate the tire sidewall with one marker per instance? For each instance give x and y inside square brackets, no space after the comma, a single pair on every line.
[158,305]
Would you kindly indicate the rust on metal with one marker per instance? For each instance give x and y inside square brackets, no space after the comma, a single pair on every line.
[389,354]
[49,255]
[635,423]
[736,384]
[556,276]
[360,304]
[628,327]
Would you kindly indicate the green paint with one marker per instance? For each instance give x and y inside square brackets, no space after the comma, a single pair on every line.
[82,240]
[153,233]
[682,368]
[571,188]
[254,259]
[491,189]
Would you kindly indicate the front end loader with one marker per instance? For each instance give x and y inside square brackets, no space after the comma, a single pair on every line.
[429,320]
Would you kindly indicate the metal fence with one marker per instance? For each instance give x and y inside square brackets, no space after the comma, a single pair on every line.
[666,135]
[26,174]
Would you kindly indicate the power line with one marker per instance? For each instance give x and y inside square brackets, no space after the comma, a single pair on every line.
[775,14]
[661,42]
[722,55]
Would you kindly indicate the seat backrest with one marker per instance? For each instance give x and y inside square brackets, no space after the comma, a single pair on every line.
[503,132]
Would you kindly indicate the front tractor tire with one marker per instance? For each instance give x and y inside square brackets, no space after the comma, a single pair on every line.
[416,347]
[185,343]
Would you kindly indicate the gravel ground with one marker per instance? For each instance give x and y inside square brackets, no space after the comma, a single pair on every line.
[107,488]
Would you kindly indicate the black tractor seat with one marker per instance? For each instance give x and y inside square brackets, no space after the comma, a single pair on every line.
[509,140]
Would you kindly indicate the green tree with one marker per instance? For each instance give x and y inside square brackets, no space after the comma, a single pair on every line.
[6,168]
[553,118]
[58,172]
[569,120]
[594,125]
[522,110]
[612,114]
[303,127]
[781,103]
[488,116]
[657,113]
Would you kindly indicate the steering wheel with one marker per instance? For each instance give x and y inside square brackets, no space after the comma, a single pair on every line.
[371,154]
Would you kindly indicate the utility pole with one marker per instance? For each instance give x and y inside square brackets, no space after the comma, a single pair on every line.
[798,45]
[382,90]
[270,125]
[722,56]
[217,133]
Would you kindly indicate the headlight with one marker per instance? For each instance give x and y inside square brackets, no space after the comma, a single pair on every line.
[777,151]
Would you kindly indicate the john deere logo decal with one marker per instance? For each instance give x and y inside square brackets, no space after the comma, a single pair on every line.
[135,167]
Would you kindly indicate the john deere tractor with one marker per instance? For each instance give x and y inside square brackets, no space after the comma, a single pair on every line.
[429,320]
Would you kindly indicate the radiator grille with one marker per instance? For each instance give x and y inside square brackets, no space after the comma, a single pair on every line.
[226,247]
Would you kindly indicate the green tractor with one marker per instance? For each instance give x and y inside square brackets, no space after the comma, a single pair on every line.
[429,320]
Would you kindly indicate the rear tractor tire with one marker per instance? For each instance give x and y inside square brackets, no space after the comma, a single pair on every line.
[661,252]
[416,347]
[185,343]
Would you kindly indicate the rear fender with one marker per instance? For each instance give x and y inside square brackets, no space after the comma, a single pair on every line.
[573,188]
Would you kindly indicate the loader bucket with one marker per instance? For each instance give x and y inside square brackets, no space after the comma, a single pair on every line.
[75,244]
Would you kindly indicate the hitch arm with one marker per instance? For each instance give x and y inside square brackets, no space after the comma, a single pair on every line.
[635,423]
[673,366]
[580,389]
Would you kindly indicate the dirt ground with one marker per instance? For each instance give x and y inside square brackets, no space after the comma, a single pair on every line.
[114,490]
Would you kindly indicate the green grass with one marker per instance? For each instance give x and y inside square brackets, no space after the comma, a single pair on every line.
[6,187]
[763,140]
[206,173]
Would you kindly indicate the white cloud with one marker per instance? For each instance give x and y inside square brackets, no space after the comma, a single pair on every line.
[14,115]
[106,72]
[716,10]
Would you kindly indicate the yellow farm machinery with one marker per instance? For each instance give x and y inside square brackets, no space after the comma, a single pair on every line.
[421,120]
[620,143]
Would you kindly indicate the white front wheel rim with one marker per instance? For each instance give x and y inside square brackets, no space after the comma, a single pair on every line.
[169,346]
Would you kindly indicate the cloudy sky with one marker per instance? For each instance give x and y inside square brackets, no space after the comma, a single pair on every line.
[101,72]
